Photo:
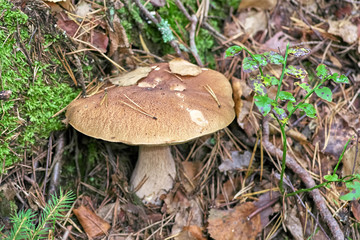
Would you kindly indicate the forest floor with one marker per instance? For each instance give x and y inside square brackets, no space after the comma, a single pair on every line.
[227,184]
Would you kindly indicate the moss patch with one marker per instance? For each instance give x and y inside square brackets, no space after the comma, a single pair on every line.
[38,89]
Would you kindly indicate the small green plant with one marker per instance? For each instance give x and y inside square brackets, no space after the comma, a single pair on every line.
[23,222]
[352,182]
[284,104]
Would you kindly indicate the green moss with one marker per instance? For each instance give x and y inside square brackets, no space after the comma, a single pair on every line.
[38,91]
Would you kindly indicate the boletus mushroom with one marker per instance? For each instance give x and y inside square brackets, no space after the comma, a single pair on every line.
[170,103]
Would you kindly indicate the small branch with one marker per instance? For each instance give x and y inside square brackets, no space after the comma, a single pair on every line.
[81,79]
[143,9]
[192,30]
[307,180]
[55,175]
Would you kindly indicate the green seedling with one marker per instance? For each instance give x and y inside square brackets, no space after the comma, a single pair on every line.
[24,226]
[285,104]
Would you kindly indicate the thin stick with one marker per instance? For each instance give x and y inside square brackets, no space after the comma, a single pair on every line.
[192,30]
[208,88]
[95,48]
[173,43]
[139,109]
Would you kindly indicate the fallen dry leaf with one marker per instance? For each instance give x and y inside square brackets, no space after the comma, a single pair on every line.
[99,40]
[184,68]
[118,39]
[244,113]
[344,29]
[293,224]
[335,140]
[189,215]
[355,209]
[278,41]
[191,232]
[83,8]
[66,24]
[93,225]
[191,169]
[264,5]
[131,78]
[238,161]
[348,161]
[252,22]
[229,189]
[233,224]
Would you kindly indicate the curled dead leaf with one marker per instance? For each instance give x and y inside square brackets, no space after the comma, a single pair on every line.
[93,225]
[131,78]
[233,224]
[184,68]
[344,29]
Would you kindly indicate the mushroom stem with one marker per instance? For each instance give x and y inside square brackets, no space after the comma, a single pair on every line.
[157,166]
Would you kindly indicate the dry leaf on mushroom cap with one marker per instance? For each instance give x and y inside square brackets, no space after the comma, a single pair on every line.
[184,68]
[131,78]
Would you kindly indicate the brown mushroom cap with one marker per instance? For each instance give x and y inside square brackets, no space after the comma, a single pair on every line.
[182,109]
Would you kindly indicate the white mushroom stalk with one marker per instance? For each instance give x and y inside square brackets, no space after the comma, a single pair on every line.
[154,173]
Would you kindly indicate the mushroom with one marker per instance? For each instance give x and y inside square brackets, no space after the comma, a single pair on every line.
[155,112]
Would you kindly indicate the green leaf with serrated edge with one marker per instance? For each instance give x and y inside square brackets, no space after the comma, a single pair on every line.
[273,57]
[304,86]
[260,59]
[286,96]
[257,86]
[357,176]
[263,103]
[249,65]
[354,193]
[308,109]
[295,72]
[270,80]
[322,71]
[341,79]
[279,113]
[324,93]
[290,107]
[232,51]
[332,178]
[298,51]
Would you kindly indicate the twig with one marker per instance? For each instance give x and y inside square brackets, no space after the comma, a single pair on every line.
[307,209]
[48,159]
[148,53]
[55,175]
[81,79]
[192,30]
[99,51]
[212,30]
[307,180]
[173,43]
